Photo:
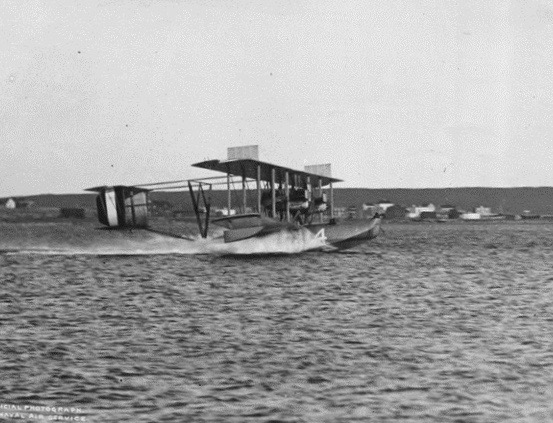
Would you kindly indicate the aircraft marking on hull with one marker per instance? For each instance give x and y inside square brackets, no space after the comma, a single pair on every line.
[320,236]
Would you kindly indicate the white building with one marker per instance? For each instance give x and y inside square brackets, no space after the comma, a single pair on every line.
[385,205]
[225,212]
[10,204]
[470,216]
[483,211]
[415,211]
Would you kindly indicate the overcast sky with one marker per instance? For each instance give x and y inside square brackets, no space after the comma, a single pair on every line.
[392,93]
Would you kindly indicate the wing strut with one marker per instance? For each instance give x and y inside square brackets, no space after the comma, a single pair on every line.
[201,203]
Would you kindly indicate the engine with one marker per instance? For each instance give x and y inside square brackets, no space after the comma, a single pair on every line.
[122,206]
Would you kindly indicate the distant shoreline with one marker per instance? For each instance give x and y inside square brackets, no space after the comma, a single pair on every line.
[538,200]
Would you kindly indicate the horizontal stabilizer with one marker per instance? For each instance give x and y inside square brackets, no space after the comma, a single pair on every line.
[125,187]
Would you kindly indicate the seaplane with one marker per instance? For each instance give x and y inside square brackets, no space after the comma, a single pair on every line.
[284,201]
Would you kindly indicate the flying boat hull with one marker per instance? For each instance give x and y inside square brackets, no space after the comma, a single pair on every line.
[334,236]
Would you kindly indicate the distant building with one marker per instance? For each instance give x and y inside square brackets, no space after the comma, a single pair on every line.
[483,211]
[446,208]
[396,212]
[414,212]
[453,214]
[527,214]
[470,216]
[225,212]
[427,215]
[447,211]
[369,210]
[384,205]
[11,204]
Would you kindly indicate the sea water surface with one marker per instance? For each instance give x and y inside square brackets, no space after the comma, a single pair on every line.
[429,322]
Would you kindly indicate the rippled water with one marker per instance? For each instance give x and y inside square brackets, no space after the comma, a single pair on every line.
[434,323]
